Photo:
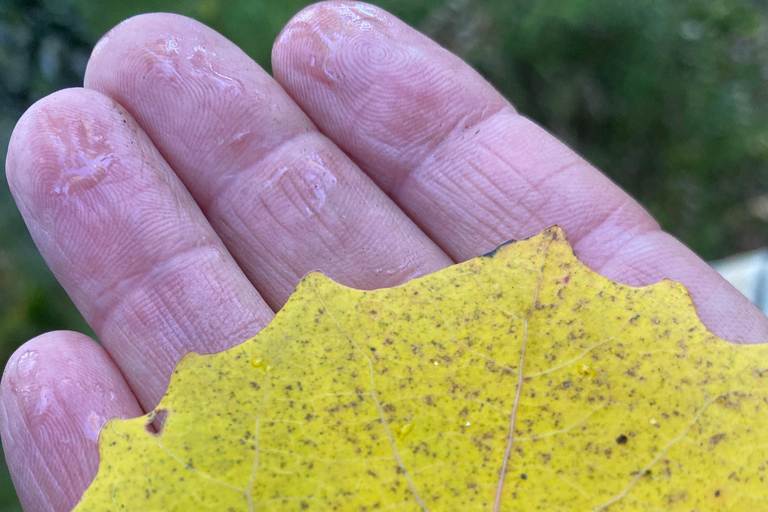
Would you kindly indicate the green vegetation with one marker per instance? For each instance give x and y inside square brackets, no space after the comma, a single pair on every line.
[668,98]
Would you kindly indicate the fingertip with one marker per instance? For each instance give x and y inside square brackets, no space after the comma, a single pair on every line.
[131,34]
[57,391]
[334,16]
[62,368]
[310,43]
[63,144]
[378,88]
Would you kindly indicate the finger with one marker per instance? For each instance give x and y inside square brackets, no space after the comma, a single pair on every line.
[282,197]
[469,169]
[57,391]
[125,239]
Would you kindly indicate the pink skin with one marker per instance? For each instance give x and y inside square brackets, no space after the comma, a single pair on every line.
[470,171]
[181,196]
[57,392]
[126,240]
[280,195]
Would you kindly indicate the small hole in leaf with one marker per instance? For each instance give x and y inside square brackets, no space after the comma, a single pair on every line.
[156,422]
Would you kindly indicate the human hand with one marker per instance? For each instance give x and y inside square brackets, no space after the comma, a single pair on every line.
[183,193]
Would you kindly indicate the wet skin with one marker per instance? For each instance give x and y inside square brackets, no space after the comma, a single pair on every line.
[181,195]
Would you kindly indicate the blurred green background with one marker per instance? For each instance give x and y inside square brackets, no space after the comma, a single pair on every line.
[668,98]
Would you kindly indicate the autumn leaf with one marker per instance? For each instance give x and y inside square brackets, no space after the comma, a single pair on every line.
[520,380]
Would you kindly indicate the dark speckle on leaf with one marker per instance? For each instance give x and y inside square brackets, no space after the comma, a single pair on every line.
[489,354]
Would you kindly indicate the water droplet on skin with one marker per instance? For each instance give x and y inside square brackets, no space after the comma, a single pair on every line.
[26,365]
[43,401]
[85,154]
[166,57]
[93,424]
[239,140]
[275,176]
[368,11]
[321,180]
[100,45]
[203,65]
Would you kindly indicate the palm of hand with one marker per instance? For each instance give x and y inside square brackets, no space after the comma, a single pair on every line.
[183,193]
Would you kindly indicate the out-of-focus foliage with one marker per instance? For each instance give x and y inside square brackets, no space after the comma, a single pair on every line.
[669,98]
[44,46]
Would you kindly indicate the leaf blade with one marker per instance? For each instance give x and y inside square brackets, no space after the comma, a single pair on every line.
[519,380]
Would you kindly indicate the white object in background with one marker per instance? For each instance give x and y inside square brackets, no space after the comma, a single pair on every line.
[748,272]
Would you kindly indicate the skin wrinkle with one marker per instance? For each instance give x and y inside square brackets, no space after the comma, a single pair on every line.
[51,165]
[494,229]
[94,242]
[636,228]
[374,88]
[448,140]
[101,304]
[49,464]
[184,332]
[225,182]
[46,481]
[295,185]
[633,272]
[543,176]
[260,265]
[57,236]
[534,185]
[276,125]
[418,79]
[138,280]
[454,179]
[90,256]
[258,170]
[330,108]
[232,117]
[532,212]
[371,143]
[264,264]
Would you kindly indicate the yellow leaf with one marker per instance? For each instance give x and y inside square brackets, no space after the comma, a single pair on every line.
[517,381]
